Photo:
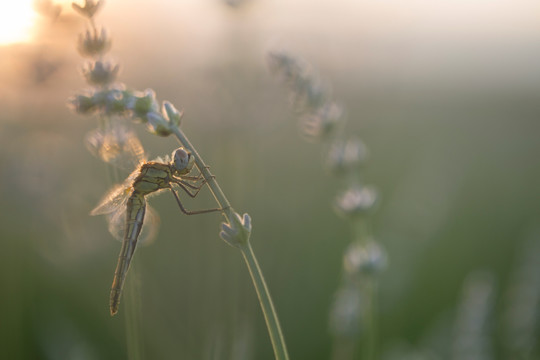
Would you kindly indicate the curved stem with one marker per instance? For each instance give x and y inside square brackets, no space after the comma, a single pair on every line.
[270,315]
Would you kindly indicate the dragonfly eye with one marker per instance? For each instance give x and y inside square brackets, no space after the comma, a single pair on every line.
[182,160]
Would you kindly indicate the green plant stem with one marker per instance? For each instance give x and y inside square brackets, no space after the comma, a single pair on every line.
[270,315]
[370,313]
[263,294]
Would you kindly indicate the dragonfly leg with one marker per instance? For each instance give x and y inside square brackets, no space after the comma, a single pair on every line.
[195,178]
[206,167]
[198,177]
[190,212]
[187,186]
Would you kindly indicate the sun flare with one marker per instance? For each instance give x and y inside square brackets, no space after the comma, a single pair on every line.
[16,20]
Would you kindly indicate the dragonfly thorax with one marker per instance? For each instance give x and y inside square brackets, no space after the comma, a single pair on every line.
[182,161]
[152,176]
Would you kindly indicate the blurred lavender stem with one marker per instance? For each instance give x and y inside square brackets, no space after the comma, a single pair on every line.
[371,312]
[369,286]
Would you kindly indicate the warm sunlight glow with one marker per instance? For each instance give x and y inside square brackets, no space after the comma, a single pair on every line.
[16,20]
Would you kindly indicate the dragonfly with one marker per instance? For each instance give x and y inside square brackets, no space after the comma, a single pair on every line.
[126,204]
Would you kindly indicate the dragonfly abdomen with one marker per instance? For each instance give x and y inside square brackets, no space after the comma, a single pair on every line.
[135,210]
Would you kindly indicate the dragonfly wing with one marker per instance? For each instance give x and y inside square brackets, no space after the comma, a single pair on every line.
[117,223]
[150,228]
[115,198]
[117,145]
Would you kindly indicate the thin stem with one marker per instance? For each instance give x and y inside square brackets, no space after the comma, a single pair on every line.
[93,24]
[269,312]
[267,306]
[210,180]
[370,313]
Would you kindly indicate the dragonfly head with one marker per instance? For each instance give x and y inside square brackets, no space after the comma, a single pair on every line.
[182,161]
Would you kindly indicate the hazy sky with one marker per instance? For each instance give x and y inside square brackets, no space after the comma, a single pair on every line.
[429,40]
[482,43]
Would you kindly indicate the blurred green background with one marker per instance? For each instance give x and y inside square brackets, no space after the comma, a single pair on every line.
[445,95]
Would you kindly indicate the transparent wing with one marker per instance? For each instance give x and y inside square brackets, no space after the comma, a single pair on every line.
[117,225]
[114,200]
[117,145]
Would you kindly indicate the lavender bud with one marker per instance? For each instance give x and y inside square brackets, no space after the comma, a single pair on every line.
[364,259]
[322,123]
[142,104]
[237,232]
[345,156]
[93,44]
[157,124]
[89,8]
[100,73]
[356,201]
[172,114]
[83,104]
